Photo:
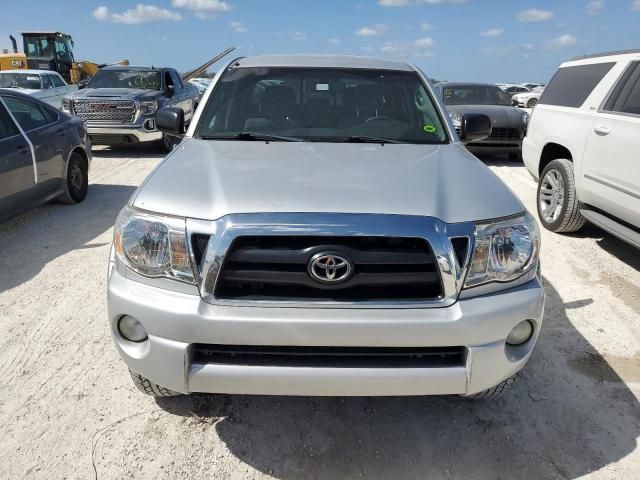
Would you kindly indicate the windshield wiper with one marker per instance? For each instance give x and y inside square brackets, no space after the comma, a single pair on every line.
[367,139]
[252,136]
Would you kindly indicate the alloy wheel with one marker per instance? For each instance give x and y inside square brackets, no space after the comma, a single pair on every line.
[551,198]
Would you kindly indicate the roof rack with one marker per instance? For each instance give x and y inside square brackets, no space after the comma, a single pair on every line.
[606,54]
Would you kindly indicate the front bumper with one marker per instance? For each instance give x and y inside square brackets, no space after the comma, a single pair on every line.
[121,134]
[491,147]
[176,321]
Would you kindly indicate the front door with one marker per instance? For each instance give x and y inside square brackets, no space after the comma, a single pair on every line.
[610,172]
[40,124]
[17,179]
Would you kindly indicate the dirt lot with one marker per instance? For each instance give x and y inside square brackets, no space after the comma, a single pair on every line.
[68,408]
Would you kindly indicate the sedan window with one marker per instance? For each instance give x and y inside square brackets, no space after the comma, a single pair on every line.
[29,114]
[57,81]
[7,127]
[25,81]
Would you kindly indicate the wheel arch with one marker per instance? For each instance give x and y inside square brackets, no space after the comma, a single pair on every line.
[553,151]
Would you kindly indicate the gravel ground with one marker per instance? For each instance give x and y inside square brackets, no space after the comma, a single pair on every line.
[69,410]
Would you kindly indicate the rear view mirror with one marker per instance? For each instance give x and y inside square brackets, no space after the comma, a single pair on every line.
[170,120]
[475,127]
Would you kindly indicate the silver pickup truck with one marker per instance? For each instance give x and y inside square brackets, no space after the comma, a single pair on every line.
[321,230]
[119,104]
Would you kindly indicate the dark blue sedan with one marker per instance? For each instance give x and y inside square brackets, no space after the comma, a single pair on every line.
[44,154]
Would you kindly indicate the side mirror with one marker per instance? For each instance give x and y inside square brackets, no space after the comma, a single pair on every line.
[170,120]
[83,83]
[475,127]
[171,90]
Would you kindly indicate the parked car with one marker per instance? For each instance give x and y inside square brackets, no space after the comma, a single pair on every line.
[200,86]
[44,154]
[583,146]
[515,89]
[120,102]
[528,99]
[44,85]
[324,235]
[509,123]
[532,86]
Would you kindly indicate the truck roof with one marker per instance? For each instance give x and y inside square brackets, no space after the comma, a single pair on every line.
[322,61]
[142,68]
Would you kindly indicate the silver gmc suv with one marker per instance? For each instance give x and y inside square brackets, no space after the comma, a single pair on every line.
[321,230]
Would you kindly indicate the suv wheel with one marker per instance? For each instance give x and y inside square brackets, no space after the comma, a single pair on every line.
[558,207]
[147,386]
[166,143]
[494,392]
[76,183]
[532,103]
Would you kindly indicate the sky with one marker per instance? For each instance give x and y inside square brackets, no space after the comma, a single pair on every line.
[471,40]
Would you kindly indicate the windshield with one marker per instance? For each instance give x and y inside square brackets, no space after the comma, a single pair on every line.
[20,80]
[322,104]
[475,95]
[144,80]
[38,46]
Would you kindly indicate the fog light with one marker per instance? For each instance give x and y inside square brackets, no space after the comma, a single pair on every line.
[132,329]
[520,333]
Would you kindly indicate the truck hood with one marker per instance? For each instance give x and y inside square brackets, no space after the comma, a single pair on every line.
[209,179]
[501,116]
[119,93]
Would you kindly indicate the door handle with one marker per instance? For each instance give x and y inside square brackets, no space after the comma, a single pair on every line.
[61,132]
[602,130]
[22,149]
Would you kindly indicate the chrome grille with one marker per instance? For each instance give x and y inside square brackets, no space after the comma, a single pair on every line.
[276,267]
[122,111]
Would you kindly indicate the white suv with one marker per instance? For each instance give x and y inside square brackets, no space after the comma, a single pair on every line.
[583,145]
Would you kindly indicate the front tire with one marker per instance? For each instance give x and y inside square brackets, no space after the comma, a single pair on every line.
[76,181]
[494,392]
[147,387]
[166,143]
[532,102]
[557,200]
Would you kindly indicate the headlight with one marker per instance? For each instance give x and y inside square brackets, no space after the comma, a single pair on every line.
[504,250]
[525,118]
[153,245]
[66,105]
[456,118]
[147,108]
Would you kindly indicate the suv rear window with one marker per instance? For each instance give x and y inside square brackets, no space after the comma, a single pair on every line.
[626,96]
[571,86]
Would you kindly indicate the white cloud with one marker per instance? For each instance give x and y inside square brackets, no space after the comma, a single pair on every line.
[635,6]
[237,27]
[426,27]
[297,36]
[594,7]
[493,32]
[563,41]
[203,9]
[373,31]
[206,6]
[333,41]
[404,3]
[420,47]
[534,15]
[140,14]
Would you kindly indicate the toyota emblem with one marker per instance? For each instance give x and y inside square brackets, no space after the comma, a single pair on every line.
[328,267]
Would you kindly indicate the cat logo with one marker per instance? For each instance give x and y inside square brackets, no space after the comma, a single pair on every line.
[16,63]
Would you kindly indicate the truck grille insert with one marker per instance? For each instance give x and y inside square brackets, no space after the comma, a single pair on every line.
[506,133]
[277,268]
[122,111]
[329,357]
